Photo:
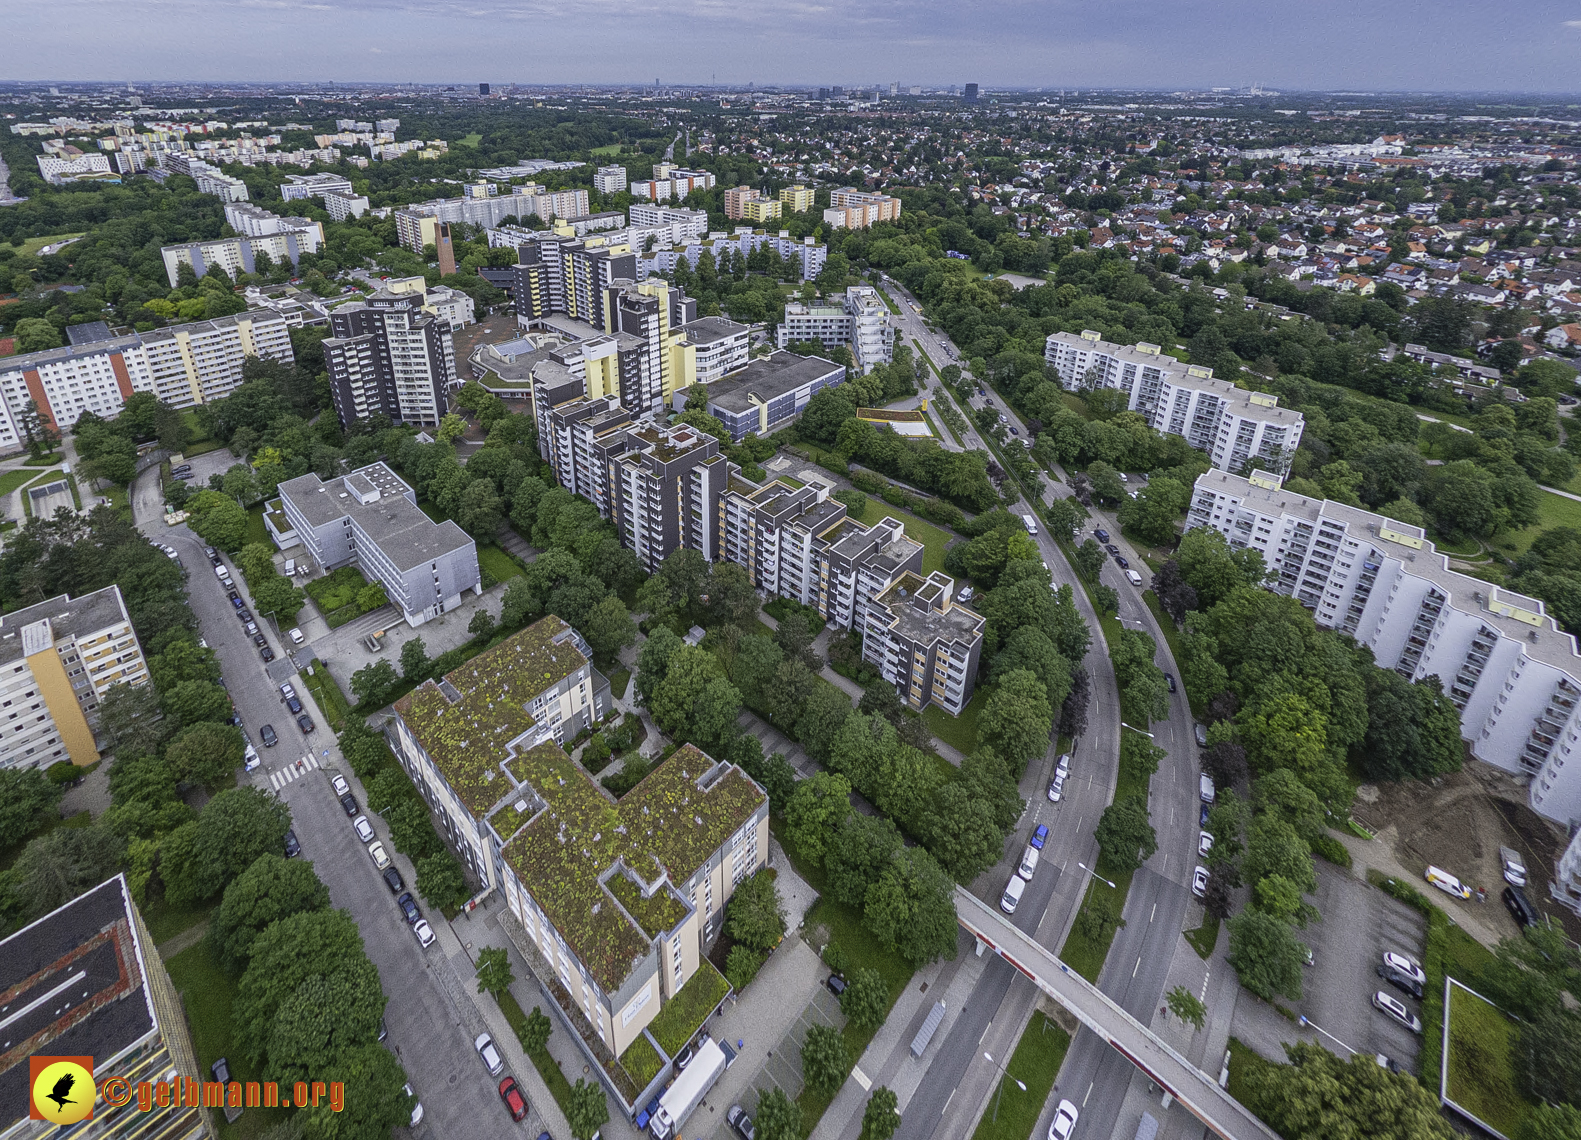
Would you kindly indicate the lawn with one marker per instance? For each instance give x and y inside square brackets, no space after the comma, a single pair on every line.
[256,530]
[46,477]
[611,149]
[336,595]
[11,480]
[206,992]
[471,140]
[933,539]
[960,732]
[1035,1063]
[1081,953]
[618,680]
[683,1014]
[498,563]
[1204,937]
[202,448]
[1481,1075]
[641,1062]
[31,246]
[548,1068]
[166,921]
[326,692]
[1554,510]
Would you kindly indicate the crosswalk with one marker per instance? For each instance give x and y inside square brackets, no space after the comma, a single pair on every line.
[291,771]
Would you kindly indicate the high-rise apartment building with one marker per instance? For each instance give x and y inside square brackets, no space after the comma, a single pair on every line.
[57,660]
[970,94]
[86,981]
[750,204]
[1514,676]
[315,186]
[417,225]
[798,199]
[853,209]
[483,90]
[671,182]
[610,180]
[664,490]
[923,642]
[857,318]
[693,223]
[255,221]
[1235,427]
[239,254]
[386,355]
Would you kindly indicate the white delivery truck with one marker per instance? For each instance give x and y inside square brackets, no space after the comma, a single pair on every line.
[688,1089]
[1032,525]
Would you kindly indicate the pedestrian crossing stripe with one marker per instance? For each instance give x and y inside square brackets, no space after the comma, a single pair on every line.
[284,776]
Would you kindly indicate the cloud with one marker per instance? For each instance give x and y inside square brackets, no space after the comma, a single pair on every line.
[375,51]
[1573,23]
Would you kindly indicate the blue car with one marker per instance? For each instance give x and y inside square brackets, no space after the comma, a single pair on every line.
[1203,820]
[1040,835]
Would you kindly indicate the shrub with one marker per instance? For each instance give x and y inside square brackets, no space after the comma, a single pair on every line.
[742,965]
[1332,850]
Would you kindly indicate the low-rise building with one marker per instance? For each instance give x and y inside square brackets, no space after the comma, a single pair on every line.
[86,981]
[57,660]
[622,897]
[58,171]
[370,519]
[770,392]
[858,318]
[723,346]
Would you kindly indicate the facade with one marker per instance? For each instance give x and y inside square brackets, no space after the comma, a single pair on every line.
[694,223]
[255,221]
[722,346]
[57,660]
[239,254]
[750,204]
[853,209]
[770,392]
[923,642]
[370,519]
[1566,885]
[343,206]
[798,199]
[610,180]
[1236,428]
[221,185]
[622,897]
[122,1011]
[315,186]
[183,365]
[858,318]
[416,225]
[453,307]
[387,355]
[664,488]
[1514,676]
[671,182]
[808,254]
[58,171]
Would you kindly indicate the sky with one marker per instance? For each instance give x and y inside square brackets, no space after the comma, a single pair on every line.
[1381,45]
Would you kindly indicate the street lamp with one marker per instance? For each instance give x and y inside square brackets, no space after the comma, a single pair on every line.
[1133,728]
[1095,874]
[1309,1024]
[1001,1091]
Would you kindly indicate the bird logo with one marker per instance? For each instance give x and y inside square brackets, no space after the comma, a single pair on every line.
[63,1091]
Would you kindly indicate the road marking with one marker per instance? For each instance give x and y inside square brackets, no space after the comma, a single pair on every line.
[1089,1093]
[1152,912]
[293,770]
[1165,867]
[1203,996]
[861,1079]
[986,1028]
[946,1107]
[1136,967]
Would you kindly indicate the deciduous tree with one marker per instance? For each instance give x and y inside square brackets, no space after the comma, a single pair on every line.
[272,888]
[1125,833]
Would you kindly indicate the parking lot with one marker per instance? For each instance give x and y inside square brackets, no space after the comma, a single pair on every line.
[1359,924]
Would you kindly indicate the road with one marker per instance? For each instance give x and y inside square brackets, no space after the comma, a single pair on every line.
[1159,900]
[428,1029]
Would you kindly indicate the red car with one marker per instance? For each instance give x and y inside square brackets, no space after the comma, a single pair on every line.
[511,1094]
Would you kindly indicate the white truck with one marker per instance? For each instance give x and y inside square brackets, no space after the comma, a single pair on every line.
[688,1089]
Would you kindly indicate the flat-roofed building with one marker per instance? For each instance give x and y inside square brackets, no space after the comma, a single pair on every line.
[770,392]
[370,519]
[853,209]
[722,346]
[798,199]
[924,642]
[86,981]
[237,255]
[858,318]
[387,355]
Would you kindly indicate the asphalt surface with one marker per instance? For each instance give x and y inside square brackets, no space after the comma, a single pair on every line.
[1093,1075]
[428,1030]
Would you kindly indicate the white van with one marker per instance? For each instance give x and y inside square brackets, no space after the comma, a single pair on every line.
[1205,788]
[290,567]
[1012,895]
[1447,883]
[222,573]
[1029,863]
[1134,578]
[1032,525]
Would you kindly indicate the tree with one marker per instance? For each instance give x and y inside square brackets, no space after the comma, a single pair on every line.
[586,1110]
[1089,559]
[371,684]
[608,628]
[1184,1005]
[881,1117]
[1016,719]
[1551,1122]
[535,1032]
[494,971]
[236,827]
[1099,917]
[26,798]
[440,880]
[284,955]
[1073,713]
[1030,648]
[372,597]
[379,1105]
[1152,515]
[480,512]
[857,854]
[865,1001]
[193,702]
[481,626]
[129,716]
[1175,594]
[1225,762]
[272,888]
[276,595]
[218,519]
[1265,955]
[1319,1097]
[1125,833]
[205,753]
[653,661]
[824,1061]
[34,334]
[414,660]
[779,1117]
[61,864]
[1213,569]
[755,916]
[911,907]
[1548,1058]
[326,1015]
[816,808]
[732,598]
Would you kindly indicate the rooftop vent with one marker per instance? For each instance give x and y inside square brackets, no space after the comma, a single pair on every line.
[520,805]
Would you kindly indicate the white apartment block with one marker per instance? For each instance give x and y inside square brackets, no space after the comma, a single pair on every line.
[693,223]
[854,209]
[417,225]
[808,254]
[219,184]
[58,171]
[669,182]
[858,318]
[610,180]
[239,254]
[202,362]
[723,346]
[1515,677]
[255,221]
[343,206]
[1232,425]
[315,186]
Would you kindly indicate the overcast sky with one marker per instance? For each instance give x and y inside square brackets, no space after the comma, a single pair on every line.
[1442,45]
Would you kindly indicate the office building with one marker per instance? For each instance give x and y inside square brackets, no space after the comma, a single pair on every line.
[86,981]
[386,355]
[370,519]
[315,186]
[57,660]
[858,318]
[1233,426]
[722,346]
[483,90]
[610,180]
[798,199]
[770,392]
[620,897]
[693,223]
[239,254]
[750,204]
[1515,677]
[971,93]
[854,209]
[183,365]
[923,642]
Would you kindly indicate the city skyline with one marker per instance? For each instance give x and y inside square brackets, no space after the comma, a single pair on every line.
[1458,46]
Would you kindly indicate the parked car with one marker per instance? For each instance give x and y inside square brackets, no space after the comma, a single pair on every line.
[738,1119]
[836,983]
[515,1102]
[1122,562]
[266,653]
[1199,882]
[1202,819]
[1513,866]
[305,723]
[1202,736]
[684,1057]
[1056,789]
[267,735]
[1040,835]
[1064,1122]
[338,782]
[1406,966]
[348,803]
[246,615]
[1111,548]
[1062,766]
[363,828]
[424,932]
[966,594]
[1103,535]
[392,879]
[1401,981]
[380,857]
[287,690]
[1520,907]
[236,599]
[409,909]
[1395,1008]
[260,640]
[490,1053]
[293,848]
[1012,896]
[293,704]
[417,1106]
[296,636]
[1205,788]
[1204,843]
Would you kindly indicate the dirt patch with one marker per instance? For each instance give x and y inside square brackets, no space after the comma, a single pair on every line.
[1459,822]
